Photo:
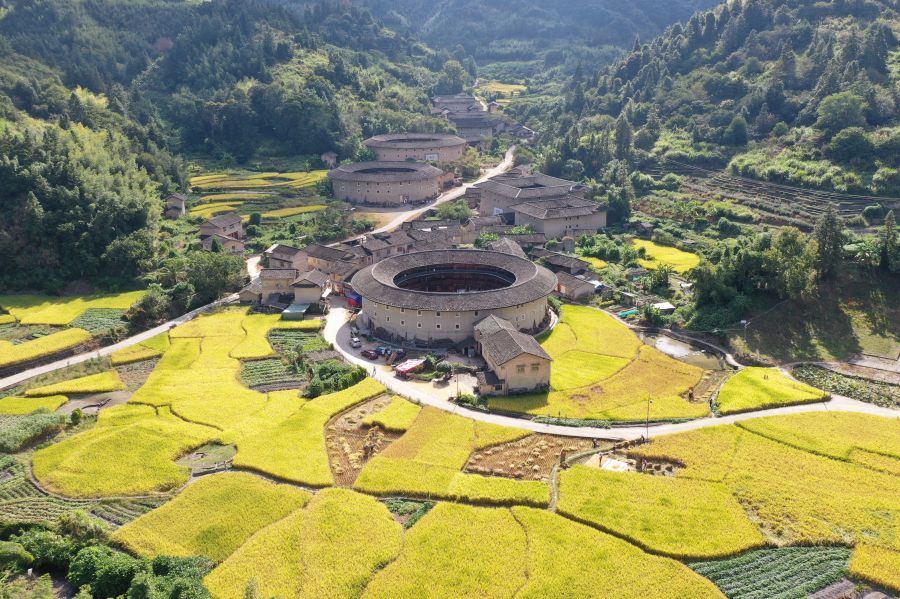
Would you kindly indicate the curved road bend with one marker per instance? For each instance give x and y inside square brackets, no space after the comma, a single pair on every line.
[253,270]
[337,332]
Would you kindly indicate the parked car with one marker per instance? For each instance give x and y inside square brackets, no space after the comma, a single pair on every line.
[383,350]
[400,353]
[355,342]
[369,354]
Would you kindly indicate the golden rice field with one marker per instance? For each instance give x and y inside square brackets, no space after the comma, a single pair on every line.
[595,262]
[293,448]
[877,565]
[11,354]
[681,518]
[52,310]
[758,388]
[330,548]
[257,327]
[17,406]
[102,382]
[243,197]
[427,462]
[679,260]
[499,87]
[210,210]
[795,495]
[151,348]
[397,417]
[212,517]
[269,180]
[7,319]
[287,212]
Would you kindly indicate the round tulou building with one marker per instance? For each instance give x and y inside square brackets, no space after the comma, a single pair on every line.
[437,297]
[384,183]
[432,147]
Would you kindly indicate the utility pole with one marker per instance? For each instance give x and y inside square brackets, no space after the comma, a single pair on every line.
[647,423]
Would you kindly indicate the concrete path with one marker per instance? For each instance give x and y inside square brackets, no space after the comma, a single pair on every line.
[337,332]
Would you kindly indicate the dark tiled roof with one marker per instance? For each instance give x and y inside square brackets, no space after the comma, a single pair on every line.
[507,246]
[487,377]
[564,261]
[223,220]
[492,324]
[382,171]
[178,197]
[373,244]
[316,277]
[527,187]
[272,274]
[561,208]
[414,141]
[323,252]
[504,345]
[280,249]
[528,238]
[570,281]
[376,282]
[344,268]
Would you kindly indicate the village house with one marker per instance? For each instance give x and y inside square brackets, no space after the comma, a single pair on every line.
[574,288]
[229,224]
[324,258]
[497,196]
[560,262]
[516,362]
[280,255]
[309,287]
[456,103]
[176,206]
[569,215]
[229,245]
[281,287]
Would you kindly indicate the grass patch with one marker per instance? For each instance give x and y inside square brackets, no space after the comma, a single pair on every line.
[20,406]
[11,354]
[679,260]
[875,392]
[44,309]
[397,417]
[99,321]
[18,431]
[267,372]
[212,517]
[102,382]
[759,388]
[330,549]
[677,517]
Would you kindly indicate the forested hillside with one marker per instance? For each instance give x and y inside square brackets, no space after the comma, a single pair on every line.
[804,93]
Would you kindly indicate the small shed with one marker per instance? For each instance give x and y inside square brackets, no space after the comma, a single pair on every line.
[295,312]
[664,307]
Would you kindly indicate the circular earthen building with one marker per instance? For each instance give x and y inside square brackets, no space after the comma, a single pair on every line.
[435,298]
[384,183]
[432,147]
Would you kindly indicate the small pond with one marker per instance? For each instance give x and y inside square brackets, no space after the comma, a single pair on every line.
[684,351]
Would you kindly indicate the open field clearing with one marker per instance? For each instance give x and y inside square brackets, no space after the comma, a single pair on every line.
[102,382]
[397,417]
[794,495]
[782,573]
[329,549]
[257,328]
[129,458]
[427,462]
[212,517]
[679,260]
[601,370]
[18,406]
[11,354]
[682,518]
[759,388]
[457,551]
[287,212]
[497,87]
[293,448]
[151,348]
[877,565]
[269,180]
[568,559]
[45,309]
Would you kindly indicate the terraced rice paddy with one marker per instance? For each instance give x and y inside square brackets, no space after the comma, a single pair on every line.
[288,212]
[18,406]
[102,382]
[679,260]
[397,417]
[11,354]
[758,388]
[248,181]
[601,370]
[43,309]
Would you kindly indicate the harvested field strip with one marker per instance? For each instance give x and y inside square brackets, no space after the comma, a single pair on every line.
[427,462]
[782,573]
[680,518]
[102,382]
[796,496]
[286,212]
[43,309]
[43,346]
[213,517]
[329,549]
[755,388]
[18,406]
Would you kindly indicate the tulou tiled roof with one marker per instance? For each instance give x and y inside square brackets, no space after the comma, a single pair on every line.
[381,171]
[414,141]
[505,345]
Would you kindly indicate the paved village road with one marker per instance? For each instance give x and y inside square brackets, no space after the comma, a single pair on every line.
[337,332]
[253,271]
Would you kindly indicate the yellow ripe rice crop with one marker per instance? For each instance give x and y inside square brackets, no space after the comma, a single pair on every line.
[125,414]
[568,559]
[599,333]
[796,495]
[489,435]
[845,436]
[243,197]
[502,88]
[210,210]
[212,517]
[151,348]
[428,459]
[293,449]
[181,354]
[102,382]
[207,177]
[286,212]
[221,323]
[396,417]
[7,319]
[11,354]
[43,309]
[17,406]
[682,518]
[576,369]
[623,396]
[296,180]
[757,388]
[679,260]
[329,549]
[257,327]
[129,459]
[595,262]
[456,551]
[877,565]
